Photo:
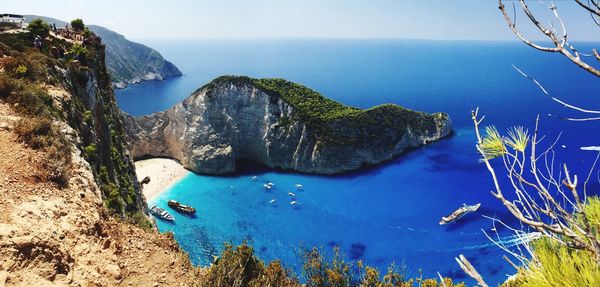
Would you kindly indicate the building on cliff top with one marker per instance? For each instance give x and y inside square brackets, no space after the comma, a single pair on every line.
[18,21]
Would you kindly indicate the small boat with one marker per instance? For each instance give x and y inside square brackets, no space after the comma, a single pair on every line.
[272,201]
[254,178]
[291,194]
[299,186]
[294,202]
[268,185]
[181,208]
[457,214]
[161,213]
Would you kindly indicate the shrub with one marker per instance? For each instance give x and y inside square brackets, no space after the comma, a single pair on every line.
[77,52]
[236,267]
[20,71]
[58,164]
[31,101]
[556,265]
[35,132]
[41,133]
[239,267]
[7,85]
[87,117]
[90,152]
[112,198]
[77,24]
[38,27]
[139,219]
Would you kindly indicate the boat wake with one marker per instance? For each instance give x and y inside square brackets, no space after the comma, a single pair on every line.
[510,241]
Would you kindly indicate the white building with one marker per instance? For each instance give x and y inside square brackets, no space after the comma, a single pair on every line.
[12,19]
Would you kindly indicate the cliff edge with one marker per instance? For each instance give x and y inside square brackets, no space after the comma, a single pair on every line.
[73,213]
[279,124]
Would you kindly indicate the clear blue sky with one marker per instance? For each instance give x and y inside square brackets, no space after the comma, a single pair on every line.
[422,19]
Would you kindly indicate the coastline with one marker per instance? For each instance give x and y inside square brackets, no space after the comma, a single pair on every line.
[163,173]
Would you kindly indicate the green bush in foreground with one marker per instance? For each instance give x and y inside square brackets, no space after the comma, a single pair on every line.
[238,266]
[556,265]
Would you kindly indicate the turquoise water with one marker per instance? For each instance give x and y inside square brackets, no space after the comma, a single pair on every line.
[387,213]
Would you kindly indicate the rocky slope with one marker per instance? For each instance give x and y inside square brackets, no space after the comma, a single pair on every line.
[279,124]
[127,62]
[85,225]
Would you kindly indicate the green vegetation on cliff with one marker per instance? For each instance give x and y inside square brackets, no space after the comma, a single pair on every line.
[333,121]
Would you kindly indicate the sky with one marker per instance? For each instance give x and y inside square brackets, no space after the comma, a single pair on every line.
[201,19]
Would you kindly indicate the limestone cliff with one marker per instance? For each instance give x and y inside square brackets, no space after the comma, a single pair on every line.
[279,124]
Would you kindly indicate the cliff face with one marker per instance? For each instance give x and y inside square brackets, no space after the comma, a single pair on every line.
[130,62]
[64,168]
[92,112]
[236,118]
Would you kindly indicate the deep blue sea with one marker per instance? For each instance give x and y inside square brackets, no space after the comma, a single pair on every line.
[388,213]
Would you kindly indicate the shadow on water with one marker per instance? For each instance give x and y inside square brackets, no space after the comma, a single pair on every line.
[357,251]
[246,167]
[444,162]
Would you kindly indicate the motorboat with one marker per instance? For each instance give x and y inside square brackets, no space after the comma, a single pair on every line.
[459,213]
[161,213]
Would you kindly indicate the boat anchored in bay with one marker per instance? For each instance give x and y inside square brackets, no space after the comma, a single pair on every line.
[181,208]
[459,213]
[161,213]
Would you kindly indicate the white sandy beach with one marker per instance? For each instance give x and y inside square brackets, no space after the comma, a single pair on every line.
[163,173]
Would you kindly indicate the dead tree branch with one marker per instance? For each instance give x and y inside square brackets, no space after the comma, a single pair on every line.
[559,40]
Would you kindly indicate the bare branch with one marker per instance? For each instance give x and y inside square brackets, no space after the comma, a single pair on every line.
[565,104]
[561,44]
[466,266]
[594,11]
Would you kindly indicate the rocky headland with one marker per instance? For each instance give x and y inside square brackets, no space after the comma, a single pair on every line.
[279,124]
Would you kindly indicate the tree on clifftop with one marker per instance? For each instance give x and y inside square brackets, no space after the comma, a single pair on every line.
[38,27]
[77,24]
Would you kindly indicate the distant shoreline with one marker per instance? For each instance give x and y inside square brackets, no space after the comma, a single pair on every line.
[163,173]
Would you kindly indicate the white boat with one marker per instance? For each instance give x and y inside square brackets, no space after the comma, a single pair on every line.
[294,202]
[299,186]
[161,213]
[254,178]
[457,214]
[291,194]
[268,185]
[272,201]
